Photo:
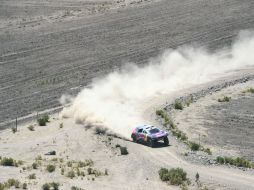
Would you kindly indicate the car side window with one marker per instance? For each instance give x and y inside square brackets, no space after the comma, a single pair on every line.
[140,130]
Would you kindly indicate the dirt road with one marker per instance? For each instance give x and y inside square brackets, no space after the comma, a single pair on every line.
[41,60]
[137,170]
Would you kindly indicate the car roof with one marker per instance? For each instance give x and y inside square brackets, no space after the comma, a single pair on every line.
[145,127]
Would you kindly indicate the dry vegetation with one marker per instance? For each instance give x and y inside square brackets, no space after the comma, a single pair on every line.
[169,124]
[239,162]
[4,161]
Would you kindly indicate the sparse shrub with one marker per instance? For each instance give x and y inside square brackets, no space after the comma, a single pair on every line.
[51,168]
[179,134]
[46,118]
[54,159]
[61,125]
[106,172]
[46,186]
[13,182]
[76,188]
[194,146]
[183,136]
[35,165]
[8,161]
[54,185]
[71,174]
[32,176]
[14,129]
[69,164]
[19,162]
[43,120]
[189,100]
[24,186]
[228,160]
[159,113]
[62,171]
[208,151]
[2,186]
[82,173]
[38,158]
[85,163]
[16,184]
[123,150]
[31,127]
[167,120]
[220,160]
[10,183]
[78,172]
[178,105]
[97,173]
[224,99]
[184,187]
[239,162]
[249,90]
[175,176]
[89,171]
[118,145]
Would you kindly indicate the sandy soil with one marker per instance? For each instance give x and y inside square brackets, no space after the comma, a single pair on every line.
[137,170]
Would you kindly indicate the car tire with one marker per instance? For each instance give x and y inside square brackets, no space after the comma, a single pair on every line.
[151,142]
[166,142]
[134,139]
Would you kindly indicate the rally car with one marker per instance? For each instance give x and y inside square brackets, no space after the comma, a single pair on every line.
[149,134]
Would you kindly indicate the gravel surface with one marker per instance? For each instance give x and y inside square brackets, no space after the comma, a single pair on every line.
[231,125]
[225,127]
[41,61]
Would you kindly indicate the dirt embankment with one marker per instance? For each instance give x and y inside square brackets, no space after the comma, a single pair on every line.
[225,127]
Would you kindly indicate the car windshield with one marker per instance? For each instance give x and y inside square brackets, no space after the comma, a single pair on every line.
[154,130]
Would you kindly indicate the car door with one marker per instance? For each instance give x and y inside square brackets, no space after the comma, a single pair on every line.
[145,135]
[140,135]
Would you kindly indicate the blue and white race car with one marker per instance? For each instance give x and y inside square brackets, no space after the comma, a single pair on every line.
[149,134]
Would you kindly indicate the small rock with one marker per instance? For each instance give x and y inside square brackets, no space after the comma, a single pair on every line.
[51,153]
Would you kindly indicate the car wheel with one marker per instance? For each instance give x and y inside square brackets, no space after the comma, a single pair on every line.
[134,139]
[151,142]
[166,141]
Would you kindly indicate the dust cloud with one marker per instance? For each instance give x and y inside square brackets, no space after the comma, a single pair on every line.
[115,101]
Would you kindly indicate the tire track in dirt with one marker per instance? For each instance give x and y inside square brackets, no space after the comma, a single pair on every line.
[72,53]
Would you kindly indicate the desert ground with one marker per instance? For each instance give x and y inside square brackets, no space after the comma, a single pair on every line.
[52,48]
[139,169]
[49,48]
[228,125]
